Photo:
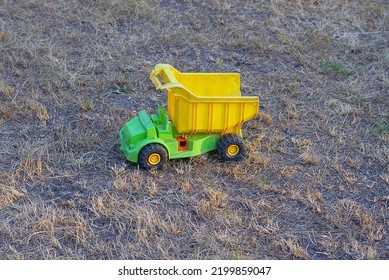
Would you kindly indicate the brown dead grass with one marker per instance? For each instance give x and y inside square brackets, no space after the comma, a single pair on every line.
[313,185]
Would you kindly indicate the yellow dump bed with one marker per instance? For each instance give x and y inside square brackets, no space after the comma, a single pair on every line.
[204,102]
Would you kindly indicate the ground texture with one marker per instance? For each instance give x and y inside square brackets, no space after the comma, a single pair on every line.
[314,183]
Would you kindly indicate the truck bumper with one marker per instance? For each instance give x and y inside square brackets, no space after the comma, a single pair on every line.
[131,153]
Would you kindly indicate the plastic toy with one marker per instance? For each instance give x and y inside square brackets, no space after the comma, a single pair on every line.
[205,113]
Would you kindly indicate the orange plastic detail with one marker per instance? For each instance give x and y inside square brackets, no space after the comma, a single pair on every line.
[182,143]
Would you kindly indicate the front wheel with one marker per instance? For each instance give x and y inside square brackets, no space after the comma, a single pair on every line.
[231,147]
[152,156]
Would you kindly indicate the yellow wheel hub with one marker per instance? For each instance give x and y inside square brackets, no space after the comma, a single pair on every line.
[154,159]
[233,150]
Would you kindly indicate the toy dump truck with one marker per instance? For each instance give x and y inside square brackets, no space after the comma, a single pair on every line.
[205,113]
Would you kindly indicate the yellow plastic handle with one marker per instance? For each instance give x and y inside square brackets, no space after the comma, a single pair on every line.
[155,73]
[166,69]
[157,83]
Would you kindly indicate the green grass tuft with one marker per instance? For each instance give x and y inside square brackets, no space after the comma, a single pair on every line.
[335,68]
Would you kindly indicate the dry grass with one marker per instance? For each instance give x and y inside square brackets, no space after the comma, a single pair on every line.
[314,184]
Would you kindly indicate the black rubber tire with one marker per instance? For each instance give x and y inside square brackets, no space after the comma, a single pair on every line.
[147,152]
[225,143]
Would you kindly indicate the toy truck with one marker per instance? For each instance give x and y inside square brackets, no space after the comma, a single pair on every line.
[205,113]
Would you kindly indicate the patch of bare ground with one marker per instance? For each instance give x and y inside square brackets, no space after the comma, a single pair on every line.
[313,185]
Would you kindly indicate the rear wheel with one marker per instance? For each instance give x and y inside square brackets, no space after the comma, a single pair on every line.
[152,156]
[231,147]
